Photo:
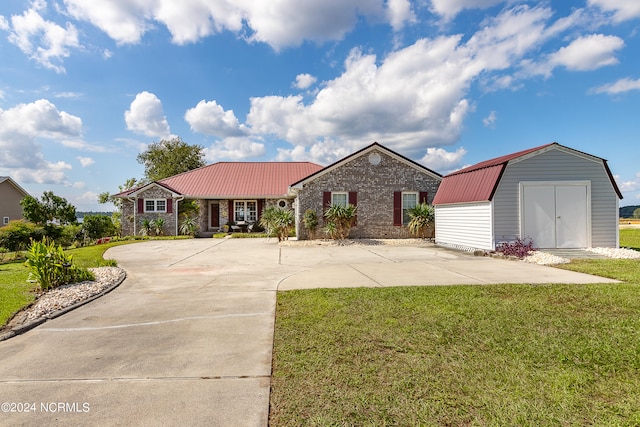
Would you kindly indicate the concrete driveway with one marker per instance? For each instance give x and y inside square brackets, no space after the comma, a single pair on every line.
[187,338]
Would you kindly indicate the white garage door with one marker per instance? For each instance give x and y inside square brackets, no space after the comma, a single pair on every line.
[555,215]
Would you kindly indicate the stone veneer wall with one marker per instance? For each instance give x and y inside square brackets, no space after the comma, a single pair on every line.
[203,218]
[375,185]
[129,207]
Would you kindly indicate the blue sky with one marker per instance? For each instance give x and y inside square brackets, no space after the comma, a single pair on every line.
[86,85]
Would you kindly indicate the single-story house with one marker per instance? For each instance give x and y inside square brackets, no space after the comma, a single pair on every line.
[10,196]
[227,193]
[557,196]
[381,183]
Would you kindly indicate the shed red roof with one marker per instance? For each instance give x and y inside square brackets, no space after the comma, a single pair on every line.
[238,179]
[479,182]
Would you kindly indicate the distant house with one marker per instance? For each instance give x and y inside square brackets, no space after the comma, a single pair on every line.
[555,195]
[227,192]
[10,195]
[383,185]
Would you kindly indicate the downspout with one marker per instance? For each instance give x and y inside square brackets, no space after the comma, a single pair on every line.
[135,207]
[178,200]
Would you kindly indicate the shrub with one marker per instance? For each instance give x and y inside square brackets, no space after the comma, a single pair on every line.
[277,221]
[310,221]
[188,226]
[422,217]
[16,235]
[519,248]
[52,267]
[145,227]
[157,225]
[97,226]
[340,219]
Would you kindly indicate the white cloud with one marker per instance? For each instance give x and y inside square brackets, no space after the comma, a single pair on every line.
[43,41]
[583,54]
[450,8]
[443,161]
[68,95]
[20,129]
[52,173]
[620,86]
[209,118]
[399,13]
[630,189]
[85,161]
[588,53]
[415,97]
[303,81]
[146,117]
[622,9]
[279,24]
[490,120]
[234,148]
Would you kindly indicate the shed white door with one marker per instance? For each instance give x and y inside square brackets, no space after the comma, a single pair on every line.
[556,215]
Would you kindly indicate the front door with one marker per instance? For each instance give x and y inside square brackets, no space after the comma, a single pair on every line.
[555,215]
[214,215]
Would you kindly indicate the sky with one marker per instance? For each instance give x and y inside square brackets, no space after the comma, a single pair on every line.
[87,85]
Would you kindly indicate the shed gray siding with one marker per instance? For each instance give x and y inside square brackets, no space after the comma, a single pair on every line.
[557,165]
[464,226]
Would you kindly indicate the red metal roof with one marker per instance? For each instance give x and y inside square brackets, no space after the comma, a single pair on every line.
[479,182]
[238,179]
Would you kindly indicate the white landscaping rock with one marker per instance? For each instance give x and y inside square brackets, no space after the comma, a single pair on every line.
[67,295]
[616,252]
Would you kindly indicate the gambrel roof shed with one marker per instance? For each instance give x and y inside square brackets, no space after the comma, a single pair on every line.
[557,196]
[480,181]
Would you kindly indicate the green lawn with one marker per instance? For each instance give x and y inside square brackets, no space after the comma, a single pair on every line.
[630,238]
[525,355]
[16,292]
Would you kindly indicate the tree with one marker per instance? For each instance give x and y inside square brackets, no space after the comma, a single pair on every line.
[636,213]
[107,197]
[49,208]
[97,226]
[170,157]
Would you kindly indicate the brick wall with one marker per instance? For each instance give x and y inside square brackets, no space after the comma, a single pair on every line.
[375,185]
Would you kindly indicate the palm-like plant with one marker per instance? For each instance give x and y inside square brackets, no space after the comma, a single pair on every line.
[158,226]
[145,227]
[188,226]
[422,216]
[340,219]
[310,221]
[277,221]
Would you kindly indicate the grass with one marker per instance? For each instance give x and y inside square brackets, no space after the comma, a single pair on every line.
[526,355]
[16,292]
[630,238]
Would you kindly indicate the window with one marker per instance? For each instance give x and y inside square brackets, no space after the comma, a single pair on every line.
[155,205]
[409,201]
[339,198]
[246,210]
[5,220]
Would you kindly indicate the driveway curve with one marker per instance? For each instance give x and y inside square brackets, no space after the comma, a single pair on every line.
[187,338]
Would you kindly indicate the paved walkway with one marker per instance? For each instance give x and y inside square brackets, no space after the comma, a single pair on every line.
[187,338]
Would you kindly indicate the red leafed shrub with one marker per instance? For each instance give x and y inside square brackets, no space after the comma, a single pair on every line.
[519,248]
